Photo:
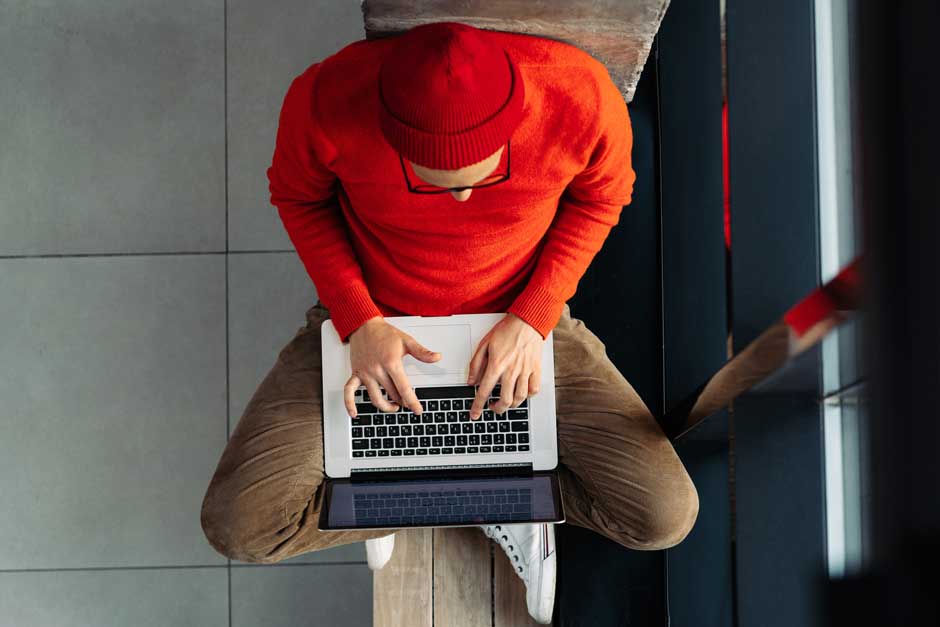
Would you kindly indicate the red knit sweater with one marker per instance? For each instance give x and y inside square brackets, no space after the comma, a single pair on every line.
[373,248]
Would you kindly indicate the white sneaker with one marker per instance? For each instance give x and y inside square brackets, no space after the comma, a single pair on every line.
[531,551]
[379,551]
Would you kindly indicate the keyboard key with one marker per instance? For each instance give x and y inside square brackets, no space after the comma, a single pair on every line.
[463,416]
[409,451]
[404,418]
[366,408]
[523,447]
[451,416]
[400,443]
[461,440]
[447,451]
[523,438]
[414,419]
[491,427]
[418,429]
[488,415]
[370,453]
[425,442]
[510,438]
[511,449]
[388,443]
[499,438]
[450,440]
[459,450]
[422,451]
[381,432]
[479,427]
[430,430]
[467,427]
[393,431]
[484,449]
[396,453]
[360,445]
[375,443]
[432,405]
[520,425]
[357,453]
[497,449]
[434,451]
[518,414]
[412,442]
[474,440]
[368,432]
[357,432]
[471,449]
[427,417]
[437,441]
[486,439]
[445,405]
[503,426]
[383,453]
[406,430]
[440,416]
[378,419]
[454,429]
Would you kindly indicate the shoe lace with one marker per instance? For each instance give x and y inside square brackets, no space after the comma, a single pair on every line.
[501,535]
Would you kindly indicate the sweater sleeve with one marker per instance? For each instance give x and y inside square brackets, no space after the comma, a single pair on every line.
[304,191]
[587,211]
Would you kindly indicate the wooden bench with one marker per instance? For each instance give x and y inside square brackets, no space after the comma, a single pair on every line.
[449,577]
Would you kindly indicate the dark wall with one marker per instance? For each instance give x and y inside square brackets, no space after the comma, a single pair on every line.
[772,155]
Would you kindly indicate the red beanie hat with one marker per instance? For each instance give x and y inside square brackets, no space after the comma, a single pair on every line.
[449,97]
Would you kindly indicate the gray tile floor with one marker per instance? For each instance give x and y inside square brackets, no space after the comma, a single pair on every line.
[146,287]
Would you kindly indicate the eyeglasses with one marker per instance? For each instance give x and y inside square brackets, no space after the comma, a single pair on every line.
[492,179]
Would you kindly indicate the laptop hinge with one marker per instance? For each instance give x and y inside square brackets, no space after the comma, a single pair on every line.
[424,472]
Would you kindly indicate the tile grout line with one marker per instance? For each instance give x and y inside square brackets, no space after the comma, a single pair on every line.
[10,571]
[151,254]
[228,569]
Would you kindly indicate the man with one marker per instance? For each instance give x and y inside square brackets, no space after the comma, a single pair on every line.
[451,170]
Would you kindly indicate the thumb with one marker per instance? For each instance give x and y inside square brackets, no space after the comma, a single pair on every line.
[419,351]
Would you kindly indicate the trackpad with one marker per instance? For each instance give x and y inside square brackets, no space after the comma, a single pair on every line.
[452,341]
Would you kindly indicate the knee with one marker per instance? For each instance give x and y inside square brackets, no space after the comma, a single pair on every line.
[672,519]
[665,521]
[229,531]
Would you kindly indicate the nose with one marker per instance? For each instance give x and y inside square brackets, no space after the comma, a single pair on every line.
[462,195]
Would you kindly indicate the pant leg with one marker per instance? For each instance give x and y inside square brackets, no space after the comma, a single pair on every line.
[620,475]
[264,499]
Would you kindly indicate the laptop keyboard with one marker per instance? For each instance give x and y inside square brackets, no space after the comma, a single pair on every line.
[430,508]
[443,428]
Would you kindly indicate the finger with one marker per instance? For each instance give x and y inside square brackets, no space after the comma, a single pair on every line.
[348,391]
[490,377]
[522,389]
[375,395]
[535,380]
[477,363]
[506,391]
[400,380]
[420,352]
[393,394]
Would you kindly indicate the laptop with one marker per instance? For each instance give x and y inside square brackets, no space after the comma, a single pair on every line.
[396,470]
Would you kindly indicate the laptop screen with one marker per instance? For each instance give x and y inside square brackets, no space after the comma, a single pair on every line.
[439,502]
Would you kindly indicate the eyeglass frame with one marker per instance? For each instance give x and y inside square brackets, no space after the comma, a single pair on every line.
[503,179]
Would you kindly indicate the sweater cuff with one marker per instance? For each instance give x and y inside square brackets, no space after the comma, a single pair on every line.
[539,308]
[350,309]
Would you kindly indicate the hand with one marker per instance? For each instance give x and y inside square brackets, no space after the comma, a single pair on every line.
[376,349]
[511,353]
